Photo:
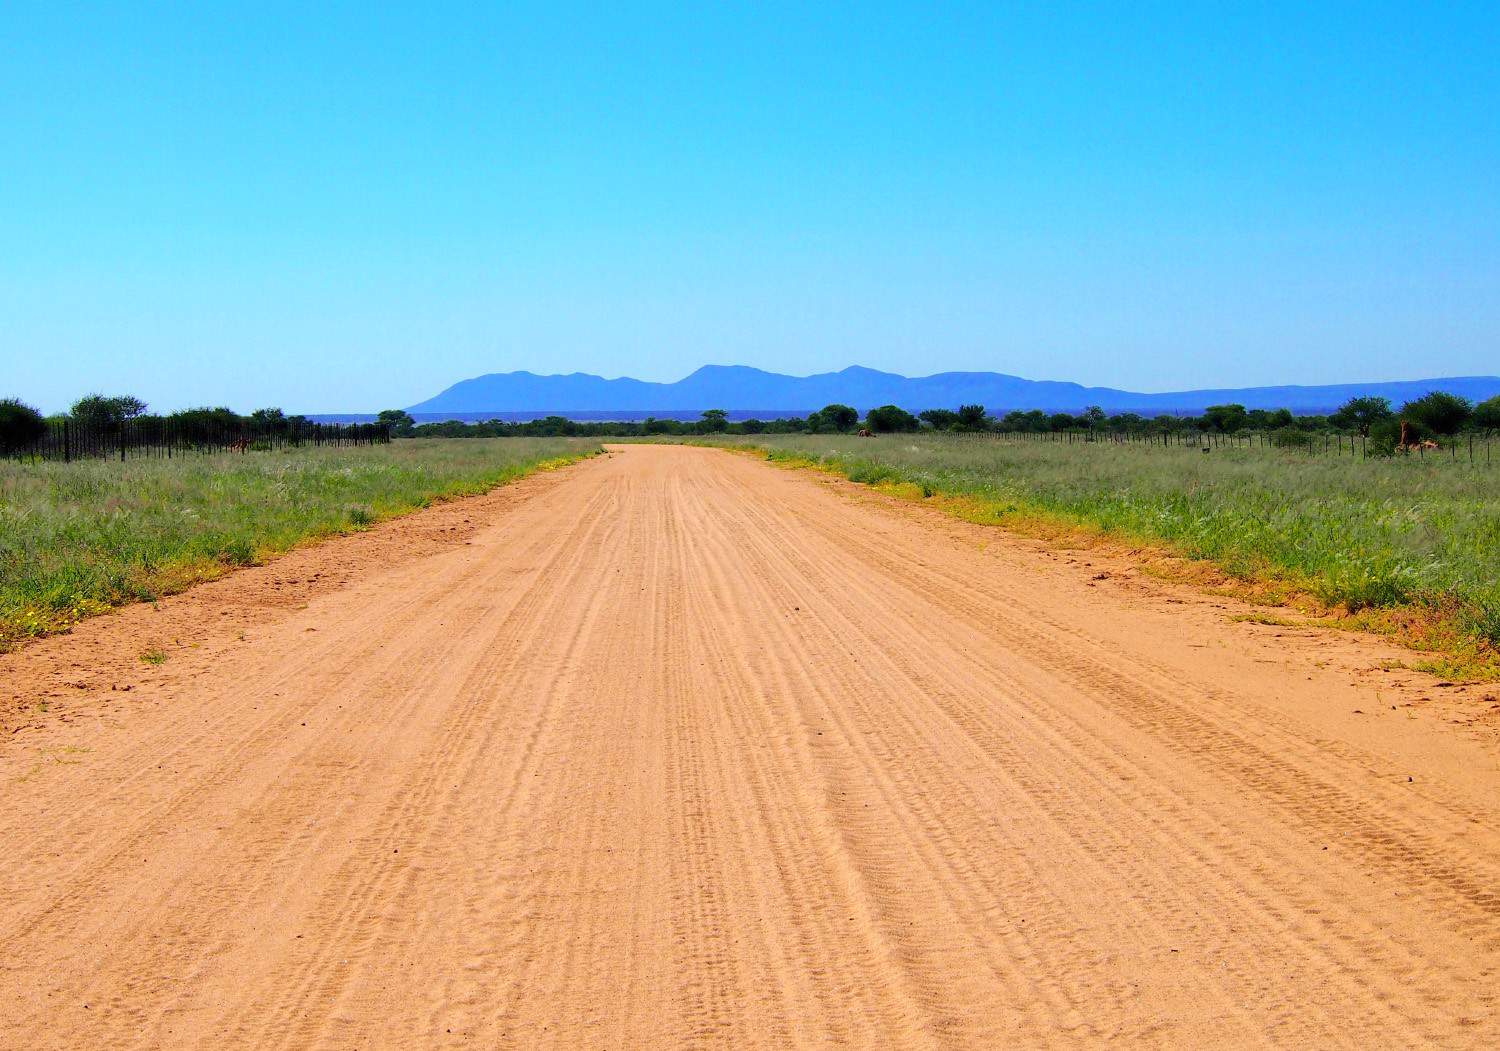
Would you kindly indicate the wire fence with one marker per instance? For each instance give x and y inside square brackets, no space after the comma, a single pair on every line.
[166,438]
[1470,447]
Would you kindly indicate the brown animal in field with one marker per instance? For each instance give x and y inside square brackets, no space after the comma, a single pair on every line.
[1408,439]
[241,445]
[865,432]
[1429,444]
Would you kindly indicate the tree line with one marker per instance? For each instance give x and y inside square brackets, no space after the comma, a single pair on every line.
[23,426]
[1435,415]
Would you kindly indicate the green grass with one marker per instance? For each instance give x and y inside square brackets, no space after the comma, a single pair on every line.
[79,538]
[1409,546]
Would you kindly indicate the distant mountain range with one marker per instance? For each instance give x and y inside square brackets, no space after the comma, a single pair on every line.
[737,387]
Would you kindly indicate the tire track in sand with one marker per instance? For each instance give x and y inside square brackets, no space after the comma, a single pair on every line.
[688,751]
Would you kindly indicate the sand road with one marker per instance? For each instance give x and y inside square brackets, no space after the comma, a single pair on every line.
[685,750]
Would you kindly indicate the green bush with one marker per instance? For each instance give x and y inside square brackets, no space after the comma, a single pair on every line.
[106,412]
[21,426]
[836,417]
[1440,412]
[890,418]
[970,418]
[1487,415]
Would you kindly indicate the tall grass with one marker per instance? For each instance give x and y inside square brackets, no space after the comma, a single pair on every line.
[1361,535]
[78,538]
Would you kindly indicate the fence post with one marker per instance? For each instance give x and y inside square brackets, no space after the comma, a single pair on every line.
[67,443]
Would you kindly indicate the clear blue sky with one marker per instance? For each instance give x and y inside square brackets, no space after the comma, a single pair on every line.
[348,209]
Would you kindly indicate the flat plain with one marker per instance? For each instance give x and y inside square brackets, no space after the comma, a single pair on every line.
[675,748]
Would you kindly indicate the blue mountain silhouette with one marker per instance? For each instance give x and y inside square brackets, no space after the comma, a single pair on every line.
[741,387]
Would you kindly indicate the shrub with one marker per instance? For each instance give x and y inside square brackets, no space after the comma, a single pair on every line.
[939,419]
[21,426]
[714,421]
[1360,414]
[889,418]
[1440,412]
[206,426]
[1384,437]
[970,418]
[839,417]
[1290,438]
[399,421]
[1487,414]
[106,412]
[1225,418]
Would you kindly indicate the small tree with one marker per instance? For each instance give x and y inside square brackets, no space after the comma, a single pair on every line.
[939,419]
[1439,411]
[889,418]
[714,421]
[1487,414]
[1061,421]
[206,426]
[1225,418]
[21,426]
[1384,437]
[1014,420]
[1360,414]
[970,418]
[106,411]
[399,421]
[1093,417]
[839,417]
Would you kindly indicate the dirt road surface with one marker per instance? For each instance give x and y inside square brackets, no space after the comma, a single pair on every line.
[676,749]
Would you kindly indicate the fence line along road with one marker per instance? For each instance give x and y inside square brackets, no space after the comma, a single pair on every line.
[1469,447]
[68,440]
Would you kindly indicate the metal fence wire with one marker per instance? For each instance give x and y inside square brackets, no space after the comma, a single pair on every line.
[164,438]
[1468,447]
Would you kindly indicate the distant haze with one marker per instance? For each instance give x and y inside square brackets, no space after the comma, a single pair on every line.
[743,391]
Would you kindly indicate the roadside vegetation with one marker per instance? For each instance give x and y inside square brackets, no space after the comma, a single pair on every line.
[79,538]
[1440,418]
[1393,538]
[1402,546]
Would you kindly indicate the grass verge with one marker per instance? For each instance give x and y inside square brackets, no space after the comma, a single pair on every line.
[1407,551]
[79,539]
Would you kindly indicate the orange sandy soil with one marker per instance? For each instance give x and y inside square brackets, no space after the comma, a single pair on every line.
[673,748]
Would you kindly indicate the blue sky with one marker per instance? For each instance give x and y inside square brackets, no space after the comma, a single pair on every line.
[348,209]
